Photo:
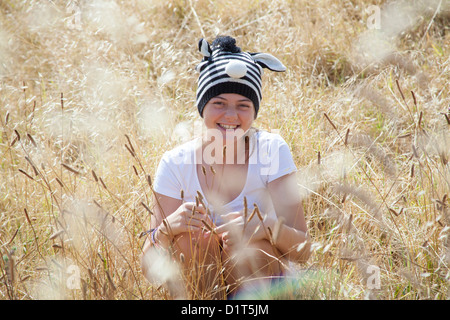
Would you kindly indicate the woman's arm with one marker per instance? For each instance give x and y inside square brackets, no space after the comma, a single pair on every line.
[163,207]
[293,232]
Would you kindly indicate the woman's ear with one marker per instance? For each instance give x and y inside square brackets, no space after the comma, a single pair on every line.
[268,61]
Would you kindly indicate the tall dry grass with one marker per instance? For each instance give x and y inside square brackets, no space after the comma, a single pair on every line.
[93,92]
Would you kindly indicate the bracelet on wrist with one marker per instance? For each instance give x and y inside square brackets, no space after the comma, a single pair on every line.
[152,235]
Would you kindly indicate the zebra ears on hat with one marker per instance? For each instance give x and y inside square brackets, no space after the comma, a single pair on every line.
[204,48]
[268,61]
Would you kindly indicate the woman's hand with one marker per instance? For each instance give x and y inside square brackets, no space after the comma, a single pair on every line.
[187,218]
[237,229]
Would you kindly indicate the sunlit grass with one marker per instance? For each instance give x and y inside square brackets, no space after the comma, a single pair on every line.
[91,93]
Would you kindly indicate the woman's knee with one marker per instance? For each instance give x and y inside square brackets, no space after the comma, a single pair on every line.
[258,255]
[269,257]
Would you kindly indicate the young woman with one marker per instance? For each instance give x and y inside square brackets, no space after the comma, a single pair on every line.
[226,205]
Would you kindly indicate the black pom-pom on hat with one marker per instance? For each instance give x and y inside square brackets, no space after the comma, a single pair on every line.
[225,43]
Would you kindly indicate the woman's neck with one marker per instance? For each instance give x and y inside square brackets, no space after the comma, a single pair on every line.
[225,152]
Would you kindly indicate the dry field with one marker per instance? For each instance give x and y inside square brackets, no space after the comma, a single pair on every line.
[92,92]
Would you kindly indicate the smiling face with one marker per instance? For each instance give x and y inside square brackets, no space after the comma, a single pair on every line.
[229,113]
[227,118]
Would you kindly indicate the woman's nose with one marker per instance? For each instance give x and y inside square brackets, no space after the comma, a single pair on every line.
[231,113]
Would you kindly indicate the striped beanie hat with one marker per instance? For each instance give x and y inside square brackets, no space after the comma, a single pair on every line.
[227,69]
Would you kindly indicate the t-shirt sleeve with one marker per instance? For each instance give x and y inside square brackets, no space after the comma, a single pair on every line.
[280,161]
[166,181]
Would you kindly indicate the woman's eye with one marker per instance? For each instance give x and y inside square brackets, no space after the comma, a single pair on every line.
[244,106]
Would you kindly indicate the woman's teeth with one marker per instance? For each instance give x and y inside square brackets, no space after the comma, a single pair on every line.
[226,126]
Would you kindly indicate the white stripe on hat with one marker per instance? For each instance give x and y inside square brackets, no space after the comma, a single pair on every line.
[219,71]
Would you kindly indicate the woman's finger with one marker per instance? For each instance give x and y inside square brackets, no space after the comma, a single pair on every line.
[198,217]
[221,229]
[192,207]
[189,205]
[231,216]
[195,220]
[228,226]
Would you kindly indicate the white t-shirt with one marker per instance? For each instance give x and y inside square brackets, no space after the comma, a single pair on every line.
[270,158]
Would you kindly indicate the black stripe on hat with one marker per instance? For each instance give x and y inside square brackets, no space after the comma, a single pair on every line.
[224,86]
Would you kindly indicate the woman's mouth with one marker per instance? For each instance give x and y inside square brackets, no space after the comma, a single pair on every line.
[228,126]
